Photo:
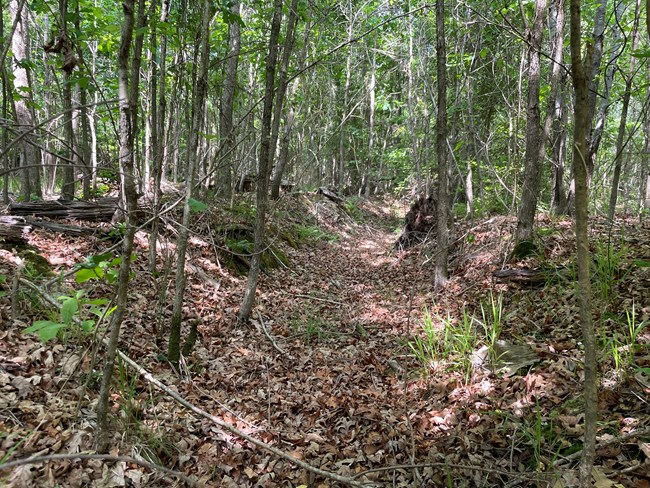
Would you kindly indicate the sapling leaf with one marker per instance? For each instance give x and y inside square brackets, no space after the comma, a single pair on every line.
[69,308]
[45,329]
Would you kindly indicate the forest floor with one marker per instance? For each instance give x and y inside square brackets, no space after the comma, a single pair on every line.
[351,361]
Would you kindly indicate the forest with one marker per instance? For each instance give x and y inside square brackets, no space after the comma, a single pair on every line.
[304,243]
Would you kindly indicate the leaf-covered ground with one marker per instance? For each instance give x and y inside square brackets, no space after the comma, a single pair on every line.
[326,368]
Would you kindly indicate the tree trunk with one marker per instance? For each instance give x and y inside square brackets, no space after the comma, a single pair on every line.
[68,185]
[620,145]
[30,155]
[279,99]
[580,172]
[265,158]
[193,150]
[129,197]
[442,255]
[534,147]
[158,113]
[226,129]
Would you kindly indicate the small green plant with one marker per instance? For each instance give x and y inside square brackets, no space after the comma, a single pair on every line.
[351,206]
[240,246]
[492,319]
[101,266]
[313,234]
[312,327]
[452,342]
[74,317]
[245,209]
[607,261]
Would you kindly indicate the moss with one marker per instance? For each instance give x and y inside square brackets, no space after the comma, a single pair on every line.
[36,266]
[524,249]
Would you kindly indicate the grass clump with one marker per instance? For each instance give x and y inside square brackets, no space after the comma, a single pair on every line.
[444,341]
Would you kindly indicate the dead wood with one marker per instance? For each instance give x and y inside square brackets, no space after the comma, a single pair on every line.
[331,194]
[99,211]
[535,276]
[419,222]
[14,229]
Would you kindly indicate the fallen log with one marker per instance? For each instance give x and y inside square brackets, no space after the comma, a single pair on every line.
[535,276]
[14,228]
[66,229]
[99,211]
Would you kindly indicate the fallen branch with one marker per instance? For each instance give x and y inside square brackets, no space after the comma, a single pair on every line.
[275,344]
[199,411]
[102,457]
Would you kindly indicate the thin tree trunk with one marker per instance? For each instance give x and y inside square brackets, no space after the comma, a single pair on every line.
[442,256]
[129,198]
[265,157]
[279,100]
[533,153]
[159,110]
[193,154]
[580,172]
[620,145]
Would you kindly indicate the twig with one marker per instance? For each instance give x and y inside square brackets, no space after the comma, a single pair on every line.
[275,344]
[225,426]
[102,457]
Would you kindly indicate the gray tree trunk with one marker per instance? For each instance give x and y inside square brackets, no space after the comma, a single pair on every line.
[129,197]
[30,155]
[534,147]
[264,163]
[580,172]
[193,155]
[224,169]
[442,255]
[620,139]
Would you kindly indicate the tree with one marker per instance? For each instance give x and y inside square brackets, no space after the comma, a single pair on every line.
[196,128]
[627,93]
[264,163]
[442,241]
[226,128]
[580,173]
[533,156]
[30,156]
[129,199]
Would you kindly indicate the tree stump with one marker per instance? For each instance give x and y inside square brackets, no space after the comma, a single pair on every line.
[419,222]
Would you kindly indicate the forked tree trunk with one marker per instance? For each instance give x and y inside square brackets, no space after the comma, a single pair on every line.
[581,122]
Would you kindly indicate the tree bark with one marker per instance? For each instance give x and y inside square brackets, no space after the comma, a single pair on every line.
[193,150]
[533,155]
[129,197]
[442,255]
[264,163]
[279,100]
[30,155]
[226,130]
[580,172]
[620,144]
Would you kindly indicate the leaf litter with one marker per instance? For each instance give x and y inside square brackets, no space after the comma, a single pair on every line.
[346,393]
